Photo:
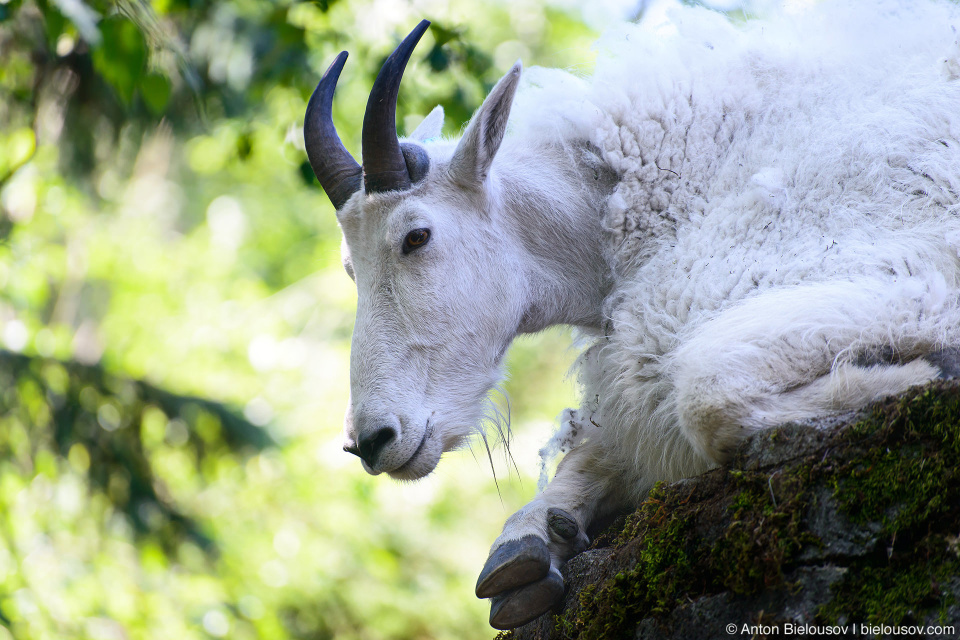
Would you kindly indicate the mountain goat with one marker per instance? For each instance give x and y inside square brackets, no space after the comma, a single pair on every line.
[750,224]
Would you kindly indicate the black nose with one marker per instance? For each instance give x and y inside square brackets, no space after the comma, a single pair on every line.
[370,444]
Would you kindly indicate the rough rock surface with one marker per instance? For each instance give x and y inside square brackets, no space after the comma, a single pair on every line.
[850,522]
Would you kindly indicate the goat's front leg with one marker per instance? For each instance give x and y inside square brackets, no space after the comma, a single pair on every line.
[522,575]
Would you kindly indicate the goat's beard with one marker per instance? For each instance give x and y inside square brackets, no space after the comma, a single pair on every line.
[490,420]
[495,420]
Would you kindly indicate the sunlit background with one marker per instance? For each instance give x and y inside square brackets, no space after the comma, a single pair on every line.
[175,324]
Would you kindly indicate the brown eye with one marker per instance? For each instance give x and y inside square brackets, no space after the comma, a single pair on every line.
[415,239]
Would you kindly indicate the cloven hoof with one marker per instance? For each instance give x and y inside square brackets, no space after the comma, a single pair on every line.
[514,564]
[520,606]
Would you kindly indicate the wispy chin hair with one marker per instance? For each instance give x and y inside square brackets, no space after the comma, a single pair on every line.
[494,423]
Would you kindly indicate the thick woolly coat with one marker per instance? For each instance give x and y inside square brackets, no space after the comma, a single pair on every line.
[786,208]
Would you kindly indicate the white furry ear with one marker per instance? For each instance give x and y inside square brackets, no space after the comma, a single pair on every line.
[474,155]
[431,127]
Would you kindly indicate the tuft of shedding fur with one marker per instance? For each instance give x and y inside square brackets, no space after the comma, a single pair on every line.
[573,431]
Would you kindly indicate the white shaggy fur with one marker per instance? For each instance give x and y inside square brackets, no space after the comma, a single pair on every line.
[735,216]
[788,199]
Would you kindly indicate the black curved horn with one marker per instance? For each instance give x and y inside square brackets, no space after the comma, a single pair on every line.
[338,173]
[384,168]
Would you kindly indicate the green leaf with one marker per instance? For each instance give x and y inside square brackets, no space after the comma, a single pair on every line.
[121,57]
[155,91]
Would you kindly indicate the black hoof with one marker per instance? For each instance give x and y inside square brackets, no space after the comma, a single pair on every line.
[516,563]
[525,604]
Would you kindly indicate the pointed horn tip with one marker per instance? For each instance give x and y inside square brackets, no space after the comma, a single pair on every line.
[337,65]
[418,32]
[330,76]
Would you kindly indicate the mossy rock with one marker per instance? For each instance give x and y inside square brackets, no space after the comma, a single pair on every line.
[850,521]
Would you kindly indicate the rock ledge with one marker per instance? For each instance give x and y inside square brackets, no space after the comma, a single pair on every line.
[850,521]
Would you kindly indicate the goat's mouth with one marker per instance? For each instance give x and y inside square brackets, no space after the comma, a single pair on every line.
[423,460]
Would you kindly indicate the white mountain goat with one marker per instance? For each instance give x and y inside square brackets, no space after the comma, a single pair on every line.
[751,224]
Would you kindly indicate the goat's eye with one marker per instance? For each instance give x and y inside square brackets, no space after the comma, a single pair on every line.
[415,239]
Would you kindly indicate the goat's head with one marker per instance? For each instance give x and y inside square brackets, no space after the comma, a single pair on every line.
[440,286]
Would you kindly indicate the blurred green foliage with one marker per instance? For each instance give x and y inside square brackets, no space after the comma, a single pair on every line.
[168,263]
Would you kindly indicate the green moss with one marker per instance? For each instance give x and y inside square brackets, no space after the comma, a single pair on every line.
[663,569]
[741,530]
[907,481]
[653,507]
[660,536]
[761,530]
[898,488]
[898,592]
[910,472]
[766,529]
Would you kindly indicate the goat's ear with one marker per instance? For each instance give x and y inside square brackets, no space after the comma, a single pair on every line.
[431,127]
[474,155]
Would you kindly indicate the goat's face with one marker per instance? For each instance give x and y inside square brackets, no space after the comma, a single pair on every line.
[439,300]
[439,282]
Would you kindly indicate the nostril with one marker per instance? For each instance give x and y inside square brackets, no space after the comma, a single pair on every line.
[351,447]
[370,444]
